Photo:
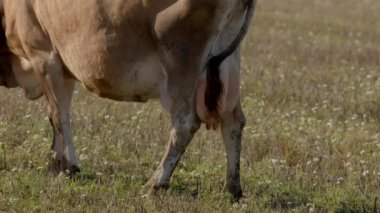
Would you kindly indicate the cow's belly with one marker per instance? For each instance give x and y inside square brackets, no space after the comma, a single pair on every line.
[137,82]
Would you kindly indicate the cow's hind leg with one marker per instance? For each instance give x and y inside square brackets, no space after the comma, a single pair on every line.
[179,96]
[185,125]
[232,129]
[58,91]
[184,33]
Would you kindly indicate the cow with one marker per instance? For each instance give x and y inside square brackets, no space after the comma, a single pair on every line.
[184,52]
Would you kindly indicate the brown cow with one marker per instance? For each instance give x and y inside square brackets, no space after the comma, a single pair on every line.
[184,52]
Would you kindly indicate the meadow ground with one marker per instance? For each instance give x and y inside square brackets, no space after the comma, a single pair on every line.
[311,93]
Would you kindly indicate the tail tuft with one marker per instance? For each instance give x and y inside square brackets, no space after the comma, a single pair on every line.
[214,88]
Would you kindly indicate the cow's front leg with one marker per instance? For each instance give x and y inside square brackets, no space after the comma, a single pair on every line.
[58,91]
[232,128]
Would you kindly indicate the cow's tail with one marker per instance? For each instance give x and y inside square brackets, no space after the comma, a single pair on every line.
[214,89]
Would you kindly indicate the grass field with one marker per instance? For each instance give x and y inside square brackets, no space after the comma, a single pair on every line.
[311,94]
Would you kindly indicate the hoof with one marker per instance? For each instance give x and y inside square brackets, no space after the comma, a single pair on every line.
[235,191]
[74,169]
[237,195]
[69,172]
[62,167]
[152,187]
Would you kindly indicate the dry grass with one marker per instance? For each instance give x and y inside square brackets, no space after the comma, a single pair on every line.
[311,93]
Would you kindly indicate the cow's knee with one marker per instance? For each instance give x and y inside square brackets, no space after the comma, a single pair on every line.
[187,124]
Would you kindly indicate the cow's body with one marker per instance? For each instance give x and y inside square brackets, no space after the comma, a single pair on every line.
[130,50]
